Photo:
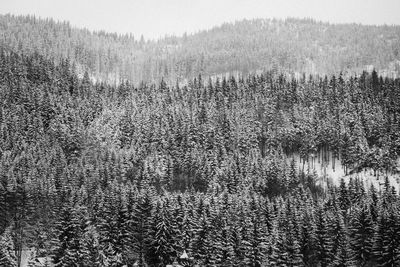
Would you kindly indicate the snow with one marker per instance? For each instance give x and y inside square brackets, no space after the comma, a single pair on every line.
[333,171]
[184,255]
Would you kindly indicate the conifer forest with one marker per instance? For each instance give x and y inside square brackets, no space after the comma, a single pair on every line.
[116,151]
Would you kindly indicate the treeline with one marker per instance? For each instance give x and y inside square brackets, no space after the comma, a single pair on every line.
[115,174]
[291,45]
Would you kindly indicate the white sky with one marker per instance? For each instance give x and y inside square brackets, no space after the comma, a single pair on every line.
[156,18]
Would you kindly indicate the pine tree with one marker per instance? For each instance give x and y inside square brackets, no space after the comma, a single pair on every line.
[162,251]
[91,250]
[277,254]
[227,252]
[177,218]
[308,239]
[323,240]
[141,225]
[77,224]
[293,248]
[257,239]
[342,255]
[65,233]
[386,246]
[7,256]
[202,242]
[362,232]
[122,241]
[189,226]
[245,246]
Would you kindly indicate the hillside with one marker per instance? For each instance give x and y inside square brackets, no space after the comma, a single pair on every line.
[291,45]
[123,174]
[264,169]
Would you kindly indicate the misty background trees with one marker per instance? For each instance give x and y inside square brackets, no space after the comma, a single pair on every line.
[291,46]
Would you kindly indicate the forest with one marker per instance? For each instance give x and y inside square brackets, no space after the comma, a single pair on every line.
[292,45]
[96,174]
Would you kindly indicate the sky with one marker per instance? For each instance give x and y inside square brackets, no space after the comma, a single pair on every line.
[156,18]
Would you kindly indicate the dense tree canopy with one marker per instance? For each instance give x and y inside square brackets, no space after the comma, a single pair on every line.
[99,175]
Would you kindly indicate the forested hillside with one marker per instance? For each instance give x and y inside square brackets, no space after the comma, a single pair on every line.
[102,175]
[291,46]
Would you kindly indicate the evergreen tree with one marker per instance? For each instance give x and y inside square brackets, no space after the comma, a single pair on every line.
[323,240]
[162,244]
[7,256]
[362,232]
[386,247]
[142,215]
[342,254]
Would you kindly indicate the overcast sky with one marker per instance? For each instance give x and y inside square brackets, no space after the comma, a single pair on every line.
[156,18]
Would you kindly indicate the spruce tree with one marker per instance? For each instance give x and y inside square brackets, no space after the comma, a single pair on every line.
[141,225]
[342,254]
[362,233]
[7,255]
[162,246]
[323,253]
[386,246]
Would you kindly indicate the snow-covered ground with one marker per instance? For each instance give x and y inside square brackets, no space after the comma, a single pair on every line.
[332,170]
[25,256]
